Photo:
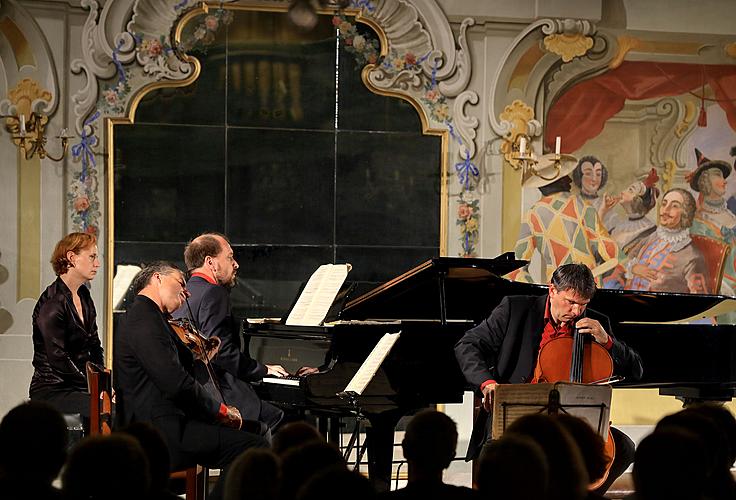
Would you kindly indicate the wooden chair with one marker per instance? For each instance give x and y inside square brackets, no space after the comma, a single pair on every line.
[715,253]
[99,383]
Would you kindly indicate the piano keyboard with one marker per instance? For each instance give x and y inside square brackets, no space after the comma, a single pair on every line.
[290,380]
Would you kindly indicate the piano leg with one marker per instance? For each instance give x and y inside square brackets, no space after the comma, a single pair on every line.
[380,441]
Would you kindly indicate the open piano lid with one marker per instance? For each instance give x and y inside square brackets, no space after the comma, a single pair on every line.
[467,286]
[473,287]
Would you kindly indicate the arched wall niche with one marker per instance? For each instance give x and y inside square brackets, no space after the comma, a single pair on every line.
[119,73]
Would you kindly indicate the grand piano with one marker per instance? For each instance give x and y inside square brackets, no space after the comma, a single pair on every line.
[432,306]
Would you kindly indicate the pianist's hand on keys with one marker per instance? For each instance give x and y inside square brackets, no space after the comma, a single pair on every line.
[276,371]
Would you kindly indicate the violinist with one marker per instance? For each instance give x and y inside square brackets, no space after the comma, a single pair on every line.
[213,269]
[153,379]
[504,348]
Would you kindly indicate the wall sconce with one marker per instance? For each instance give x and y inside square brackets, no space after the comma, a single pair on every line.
[30,136]
[548,167]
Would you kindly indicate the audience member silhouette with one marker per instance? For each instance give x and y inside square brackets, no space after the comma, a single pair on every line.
[300,463]
[670,464]
[294,434]
[337,483]
[725,421]
[567,473]
[110,467]
[591,446]
[513,467]
[254,475]
[429,447]
[33,440]
[720,484]
[157,453]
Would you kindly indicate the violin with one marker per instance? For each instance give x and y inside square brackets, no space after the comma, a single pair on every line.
[203,348]
[581,360]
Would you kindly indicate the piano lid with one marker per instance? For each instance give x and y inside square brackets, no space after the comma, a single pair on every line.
[467,286]
[468,289]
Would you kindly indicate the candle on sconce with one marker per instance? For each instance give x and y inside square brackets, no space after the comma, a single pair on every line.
[522,146]
[558,143]
[22,125]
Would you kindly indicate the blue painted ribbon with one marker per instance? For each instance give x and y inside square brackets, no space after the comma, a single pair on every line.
[453,132]
[83,149]
[465,169]
[118,64]
[434,73]
[363,3]
[181,4]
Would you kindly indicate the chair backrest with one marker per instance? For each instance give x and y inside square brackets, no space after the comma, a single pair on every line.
[99,383]
[715,253]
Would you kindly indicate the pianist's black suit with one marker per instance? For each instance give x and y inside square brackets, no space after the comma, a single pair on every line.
[504,348]
[210,305]
[153,384]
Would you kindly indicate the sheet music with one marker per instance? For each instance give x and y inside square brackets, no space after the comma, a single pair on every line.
[319,294]
[370,366]
[591,403]
[124,275]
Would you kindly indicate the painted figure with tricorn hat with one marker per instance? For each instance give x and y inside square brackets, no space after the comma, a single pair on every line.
[564,229]
[713,218]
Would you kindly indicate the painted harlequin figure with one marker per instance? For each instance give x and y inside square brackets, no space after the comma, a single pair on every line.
[566,229]
[590,176]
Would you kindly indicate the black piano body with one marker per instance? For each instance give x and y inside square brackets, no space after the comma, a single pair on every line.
[436,302]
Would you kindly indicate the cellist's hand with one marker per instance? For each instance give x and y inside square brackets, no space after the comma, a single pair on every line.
[488,392]
[589,326]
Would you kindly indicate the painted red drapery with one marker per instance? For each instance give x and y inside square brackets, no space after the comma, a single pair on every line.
[581,113]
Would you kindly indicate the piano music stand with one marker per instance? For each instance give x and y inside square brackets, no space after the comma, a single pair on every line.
[592,403]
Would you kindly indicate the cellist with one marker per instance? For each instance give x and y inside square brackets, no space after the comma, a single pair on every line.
[504,348]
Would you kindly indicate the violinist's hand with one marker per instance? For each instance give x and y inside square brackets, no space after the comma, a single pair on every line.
[276,371]
[589,326]
[232,418]
[488,392]
[213,347]
[307,370]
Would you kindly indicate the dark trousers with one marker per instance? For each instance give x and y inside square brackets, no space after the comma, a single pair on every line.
[64,400]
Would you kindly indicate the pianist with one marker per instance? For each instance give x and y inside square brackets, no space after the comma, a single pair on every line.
[504,348]
[213,270]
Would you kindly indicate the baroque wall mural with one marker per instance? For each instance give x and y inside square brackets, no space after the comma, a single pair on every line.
[647,203]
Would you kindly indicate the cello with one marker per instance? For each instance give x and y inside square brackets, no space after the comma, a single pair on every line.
[580,360]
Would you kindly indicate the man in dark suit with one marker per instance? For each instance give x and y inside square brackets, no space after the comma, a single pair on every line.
[153,380]
[504,347]
[210,261]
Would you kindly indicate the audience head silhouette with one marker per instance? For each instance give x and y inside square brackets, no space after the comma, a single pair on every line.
[429,444]
[157,453]
[300,463]
[254,475]
[33,439]
[513,467]
[667,454]
[110,467]
[590,444]
[337,483]
[294,434]
[568,477]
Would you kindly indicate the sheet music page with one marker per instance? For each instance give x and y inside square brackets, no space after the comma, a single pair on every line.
[592,403]
[317,297]
[370,366]
[124,275]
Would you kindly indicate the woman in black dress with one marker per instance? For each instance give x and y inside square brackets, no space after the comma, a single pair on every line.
[65,327]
